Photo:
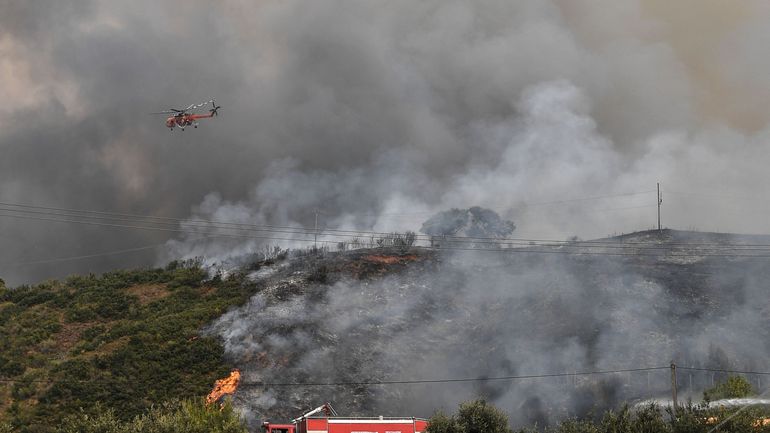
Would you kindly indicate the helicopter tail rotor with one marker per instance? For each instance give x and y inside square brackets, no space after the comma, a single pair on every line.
[214,111]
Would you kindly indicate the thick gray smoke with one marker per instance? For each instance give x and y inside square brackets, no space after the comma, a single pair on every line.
[369,109]
[380,113]
[498,314]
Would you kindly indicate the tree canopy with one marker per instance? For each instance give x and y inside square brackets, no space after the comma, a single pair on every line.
[475,221]
[475,416]
[733,387]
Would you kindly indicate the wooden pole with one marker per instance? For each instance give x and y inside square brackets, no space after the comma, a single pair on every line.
[659,202]
[315,230]
[673,388]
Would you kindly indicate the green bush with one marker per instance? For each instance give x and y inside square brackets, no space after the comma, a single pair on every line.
[24,388]
[10,367]
[472,417]
[733,387]
[187,416]
[443,423]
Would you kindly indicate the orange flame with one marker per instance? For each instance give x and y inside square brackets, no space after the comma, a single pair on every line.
[223,387]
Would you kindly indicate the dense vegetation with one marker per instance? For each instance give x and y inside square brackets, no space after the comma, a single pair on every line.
[472,417]
[190,416]
[120,342]
[652,419]
[733,387]
[481,417]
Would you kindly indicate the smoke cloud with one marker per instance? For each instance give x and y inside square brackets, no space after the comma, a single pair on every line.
[379,114]
[371,109]
[487,314]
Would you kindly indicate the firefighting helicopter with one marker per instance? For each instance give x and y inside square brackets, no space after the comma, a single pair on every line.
[187,116]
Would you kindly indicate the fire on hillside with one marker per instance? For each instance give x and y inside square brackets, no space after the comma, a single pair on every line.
[223,387]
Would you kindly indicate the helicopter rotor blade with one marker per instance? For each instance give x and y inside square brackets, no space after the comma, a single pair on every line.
[170,111]
[191,107]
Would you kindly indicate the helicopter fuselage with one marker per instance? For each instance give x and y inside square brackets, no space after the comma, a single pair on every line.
[183,120]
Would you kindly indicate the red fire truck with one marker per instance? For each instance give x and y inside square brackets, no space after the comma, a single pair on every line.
[324,419]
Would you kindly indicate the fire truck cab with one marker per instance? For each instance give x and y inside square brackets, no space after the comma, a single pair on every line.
[278,428]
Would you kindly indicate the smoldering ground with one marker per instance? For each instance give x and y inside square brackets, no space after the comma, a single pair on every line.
[493,314]
[384,107]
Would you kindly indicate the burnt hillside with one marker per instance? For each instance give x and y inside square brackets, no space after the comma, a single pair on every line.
[393,314]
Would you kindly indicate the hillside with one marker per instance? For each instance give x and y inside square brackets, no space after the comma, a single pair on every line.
[632,302]
[124,340]
[130,339]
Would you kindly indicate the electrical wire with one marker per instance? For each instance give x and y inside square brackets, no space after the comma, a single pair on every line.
[722,370]
[517,245]
[398,382]
[168,224]
[227,224]
[85,256]
[444,380]
[223,225]
[598,197]
[454,380]
[89,256]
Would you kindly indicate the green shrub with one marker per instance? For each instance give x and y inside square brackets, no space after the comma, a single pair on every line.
[10,367]
[24,388]
[442,423]
[188,416]
[733,387]
[472,417]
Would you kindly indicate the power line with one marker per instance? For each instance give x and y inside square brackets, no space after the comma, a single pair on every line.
[453,380]
[599,210]
[542,203]
[88,256]
[98,218]
[722,370]
[225,225]
[439,381]
[636,247]
[597,197]
[215,223]
[715,196]
[522,247]
[600,253]
[395,382]
[85,256]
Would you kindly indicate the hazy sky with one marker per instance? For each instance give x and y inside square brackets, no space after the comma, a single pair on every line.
[367,109]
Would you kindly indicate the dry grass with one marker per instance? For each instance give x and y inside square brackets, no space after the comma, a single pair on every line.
[148,292]
[391,260]
[70,334]
[207,290]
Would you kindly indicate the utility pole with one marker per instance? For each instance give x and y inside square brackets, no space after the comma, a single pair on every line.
[660,200]
[315,231]
[673,388]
